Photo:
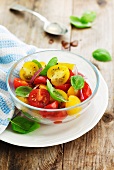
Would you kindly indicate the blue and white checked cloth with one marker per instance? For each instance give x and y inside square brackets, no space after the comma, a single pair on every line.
[11,50]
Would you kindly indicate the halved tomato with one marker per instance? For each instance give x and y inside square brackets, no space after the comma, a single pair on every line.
[28,70]
[18,82]
[39,98]
[58,74]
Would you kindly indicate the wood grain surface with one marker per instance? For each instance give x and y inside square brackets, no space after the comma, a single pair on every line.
[95,149]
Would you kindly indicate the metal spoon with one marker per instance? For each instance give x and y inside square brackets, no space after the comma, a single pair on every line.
[49,27]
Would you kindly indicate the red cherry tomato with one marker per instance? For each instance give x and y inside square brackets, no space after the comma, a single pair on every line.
[85,92]
[53,105]
[63,87]
[39,98]
[40,80]
[18,82]
[55,115]
[71,74]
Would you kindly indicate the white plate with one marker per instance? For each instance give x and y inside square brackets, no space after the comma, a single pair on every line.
[49,135]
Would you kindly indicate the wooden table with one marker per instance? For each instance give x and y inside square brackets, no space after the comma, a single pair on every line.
[94,150]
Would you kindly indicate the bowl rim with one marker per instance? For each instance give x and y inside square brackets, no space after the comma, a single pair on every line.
[55,110]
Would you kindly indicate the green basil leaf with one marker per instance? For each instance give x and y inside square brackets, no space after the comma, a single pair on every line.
[38,63]
[78,23]
[77,82]
[30,117]
[102,55]
[23,125]
[51,63]
[54,93]
[23,91]
[88,16]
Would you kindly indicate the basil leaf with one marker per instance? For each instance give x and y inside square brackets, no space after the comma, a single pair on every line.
[30,117]
[23,125]
[78,23]
[88,16]
[102,55]
[77,82]
[54,93]
[23,91]
[38,63]
[51,63]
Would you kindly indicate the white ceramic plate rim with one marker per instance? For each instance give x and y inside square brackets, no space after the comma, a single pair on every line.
[5,136]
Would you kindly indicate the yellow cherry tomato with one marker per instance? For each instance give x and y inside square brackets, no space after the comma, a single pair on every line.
[58,74]
[62,93]
[28,70]
[71,91]
[69,65]
[42,86]
[73,100]
[62,104]
[43,64]
[23,99]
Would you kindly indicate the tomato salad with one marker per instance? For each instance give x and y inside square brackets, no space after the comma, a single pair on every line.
[54,85]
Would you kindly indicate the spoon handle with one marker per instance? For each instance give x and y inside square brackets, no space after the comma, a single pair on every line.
[21,8]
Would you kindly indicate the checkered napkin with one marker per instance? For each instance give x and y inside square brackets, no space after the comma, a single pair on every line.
[11,50]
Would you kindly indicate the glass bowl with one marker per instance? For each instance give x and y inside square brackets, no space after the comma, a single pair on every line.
[84,66]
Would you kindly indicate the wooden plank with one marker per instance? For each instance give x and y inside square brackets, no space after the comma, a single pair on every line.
[94,150]
[29,29]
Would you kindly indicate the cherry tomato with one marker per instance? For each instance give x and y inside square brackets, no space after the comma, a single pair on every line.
[23,99]
[40,80]
[59,116]
[28,70]
[18,82]
[71,91]
[58,74]
[71,74]
[39,98]
[43,64]
[73,100]
[55,116]
[69,65]
[63,87]
[85,92]
[53,105]
[42,86]
[63,94]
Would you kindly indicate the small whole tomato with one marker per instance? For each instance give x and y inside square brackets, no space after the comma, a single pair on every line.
[63,87]
[40,80]
[18,82]
[72,101]
[39,98]
[85,92]
[54,115]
